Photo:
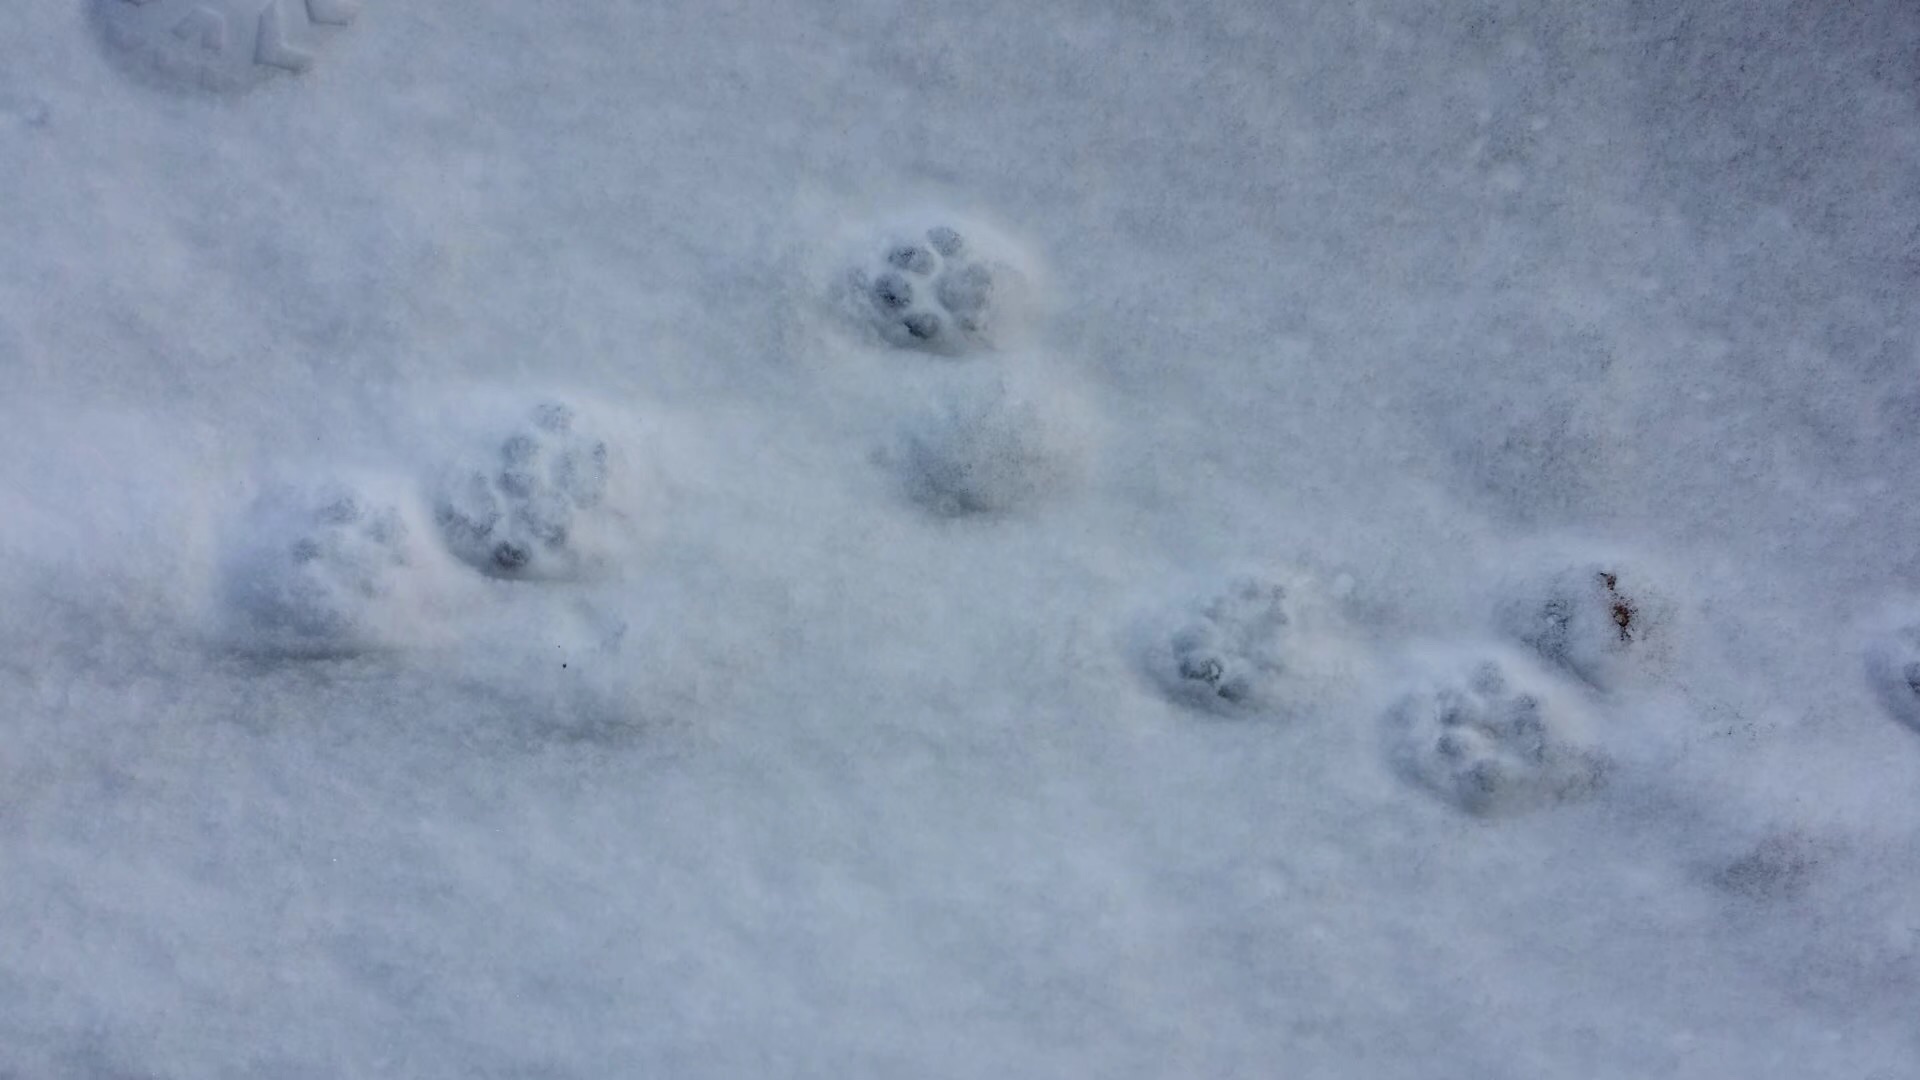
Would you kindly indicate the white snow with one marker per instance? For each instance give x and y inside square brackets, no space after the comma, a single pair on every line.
[844,743]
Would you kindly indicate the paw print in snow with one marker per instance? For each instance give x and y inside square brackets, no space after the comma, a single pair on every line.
[937,291]
[319,573]
[1230,653]
[220,44]
[1496,741]
[516,514]
[1601,621]
[984,446]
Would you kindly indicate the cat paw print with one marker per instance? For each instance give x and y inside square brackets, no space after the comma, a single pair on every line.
[1604,622]
[941,290]
[1231,652]
[518,511]
[1494,739]
[322,571]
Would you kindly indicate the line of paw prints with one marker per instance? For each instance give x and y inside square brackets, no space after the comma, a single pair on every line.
[1611,625]
[338,570]
[220,44]
[1497,734]
[990,438]
[1487,731]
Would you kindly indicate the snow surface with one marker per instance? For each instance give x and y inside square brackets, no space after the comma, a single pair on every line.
[843,751]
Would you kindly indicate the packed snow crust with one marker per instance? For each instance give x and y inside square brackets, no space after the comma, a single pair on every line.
[499,579]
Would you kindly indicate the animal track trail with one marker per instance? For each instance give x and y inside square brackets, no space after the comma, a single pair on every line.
[221,45]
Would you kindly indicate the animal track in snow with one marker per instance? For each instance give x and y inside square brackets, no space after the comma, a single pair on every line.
[320,571]
[990,444]
[941,288]
[518,508]
[1600,620]
[1492,737]
[1252,644]
[221,44]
